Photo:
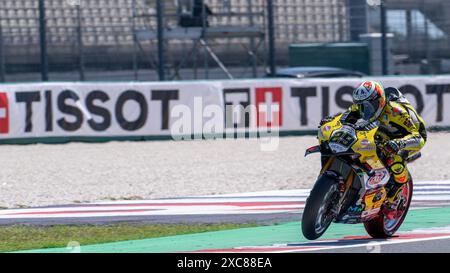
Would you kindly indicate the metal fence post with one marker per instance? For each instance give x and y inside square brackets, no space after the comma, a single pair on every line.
[271,29]
[205,39]
[43,41]
[384,60]
[427,48]
[2,57]
[252,40]
[161,61]
[135,42]
[80,44]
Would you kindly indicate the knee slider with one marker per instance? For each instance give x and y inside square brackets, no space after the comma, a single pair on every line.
[397,168]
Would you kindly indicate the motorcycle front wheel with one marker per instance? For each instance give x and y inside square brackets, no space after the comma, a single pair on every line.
[384,227]
[318,215]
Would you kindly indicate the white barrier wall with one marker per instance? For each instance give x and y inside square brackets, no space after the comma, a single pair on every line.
[154,109]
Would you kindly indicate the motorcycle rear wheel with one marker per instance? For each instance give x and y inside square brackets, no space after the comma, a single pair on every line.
[380,227]
[317,215]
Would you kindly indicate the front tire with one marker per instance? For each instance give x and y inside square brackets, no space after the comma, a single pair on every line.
[317,215]
[382,227]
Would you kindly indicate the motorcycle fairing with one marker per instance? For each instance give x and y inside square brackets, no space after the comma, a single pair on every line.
[372,194]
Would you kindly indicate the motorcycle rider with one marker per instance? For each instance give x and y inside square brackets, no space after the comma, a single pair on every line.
[400,128]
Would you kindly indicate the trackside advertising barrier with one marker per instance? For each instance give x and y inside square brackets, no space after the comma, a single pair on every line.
[73,111]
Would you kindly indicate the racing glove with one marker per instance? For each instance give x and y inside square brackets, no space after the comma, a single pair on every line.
[394,146]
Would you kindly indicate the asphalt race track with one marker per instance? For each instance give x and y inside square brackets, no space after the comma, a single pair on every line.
[261,207]
[427,242]
[265,208]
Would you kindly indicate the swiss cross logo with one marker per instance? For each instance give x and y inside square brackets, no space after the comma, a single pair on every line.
[4,113]
[269,106]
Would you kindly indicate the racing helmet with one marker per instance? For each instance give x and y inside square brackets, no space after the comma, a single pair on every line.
[370,99]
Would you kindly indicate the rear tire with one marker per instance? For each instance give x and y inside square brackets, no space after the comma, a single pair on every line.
[376,227]
[318,205]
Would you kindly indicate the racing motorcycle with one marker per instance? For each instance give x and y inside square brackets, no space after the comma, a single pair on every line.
[353,183]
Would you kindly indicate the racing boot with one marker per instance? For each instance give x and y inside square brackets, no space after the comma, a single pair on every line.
[394,191]
[396,185]
[393,198]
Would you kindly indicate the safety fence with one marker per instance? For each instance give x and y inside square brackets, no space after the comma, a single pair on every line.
[116,39]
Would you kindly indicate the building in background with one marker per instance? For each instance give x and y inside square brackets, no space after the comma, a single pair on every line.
[102,36]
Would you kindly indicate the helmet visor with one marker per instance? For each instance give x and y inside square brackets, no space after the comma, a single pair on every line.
[368,109]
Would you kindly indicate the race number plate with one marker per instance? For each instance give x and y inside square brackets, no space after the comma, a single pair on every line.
[342,139]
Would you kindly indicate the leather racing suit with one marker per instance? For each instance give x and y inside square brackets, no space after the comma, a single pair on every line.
[399,124]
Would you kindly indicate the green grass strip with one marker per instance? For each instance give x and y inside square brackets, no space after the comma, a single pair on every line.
[21,237]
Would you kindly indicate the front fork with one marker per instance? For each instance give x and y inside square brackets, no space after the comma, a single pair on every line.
[337,204]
